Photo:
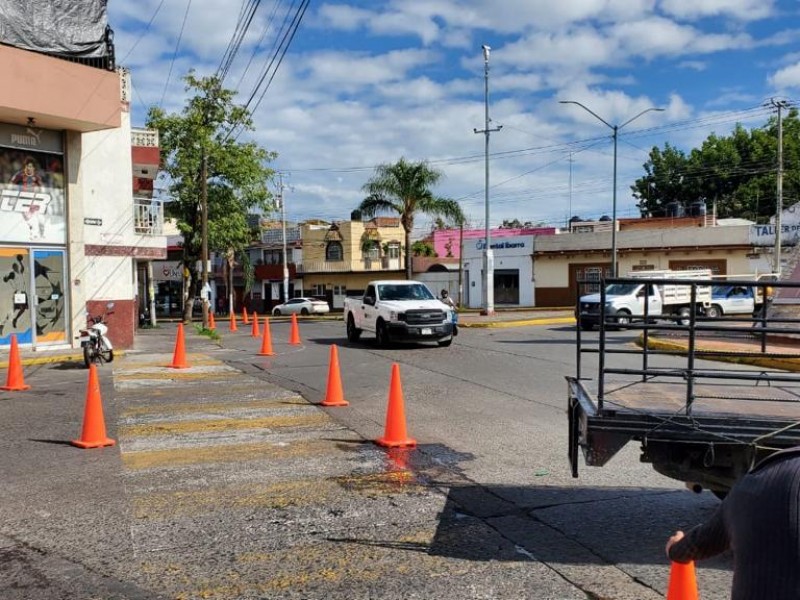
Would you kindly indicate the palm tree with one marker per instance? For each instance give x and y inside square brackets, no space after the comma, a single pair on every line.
[404,188]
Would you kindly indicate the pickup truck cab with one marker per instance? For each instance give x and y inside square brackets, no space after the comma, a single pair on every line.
[666,299]
[401,311]
[731,300]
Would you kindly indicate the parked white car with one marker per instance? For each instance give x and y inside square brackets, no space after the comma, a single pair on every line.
[302,306]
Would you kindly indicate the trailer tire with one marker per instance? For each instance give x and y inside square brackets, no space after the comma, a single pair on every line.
[586,326]
[714,311]
[721,494]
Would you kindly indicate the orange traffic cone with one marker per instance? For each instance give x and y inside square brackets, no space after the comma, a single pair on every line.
[266,341]
[255,331]
[245,319]
[212,325]
[233,322]
[15,380]
[682,582]
[294,333]
[93,434]
[334,396]
[179,356]
[395,434]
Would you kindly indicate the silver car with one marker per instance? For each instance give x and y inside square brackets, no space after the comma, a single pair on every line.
[302,306]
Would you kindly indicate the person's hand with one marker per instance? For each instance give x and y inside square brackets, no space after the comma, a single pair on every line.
[677,537]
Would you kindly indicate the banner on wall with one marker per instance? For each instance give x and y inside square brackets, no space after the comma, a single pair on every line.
[32,201]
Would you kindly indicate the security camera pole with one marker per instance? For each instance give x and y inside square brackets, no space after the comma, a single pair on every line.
[488,258]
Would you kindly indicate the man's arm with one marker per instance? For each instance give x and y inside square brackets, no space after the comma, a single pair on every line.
[704,541]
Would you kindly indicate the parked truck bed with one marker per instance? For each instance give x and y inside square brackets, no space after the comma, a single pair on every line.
[702,422]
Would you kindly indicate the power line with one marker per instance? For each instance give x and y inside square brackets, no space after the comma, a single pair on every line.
[174,54]
[143,33]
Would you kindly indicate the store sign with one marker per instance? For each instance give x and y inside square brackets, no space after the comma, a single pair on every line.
[31,138]
[167,270]
[91,221]
[502,245]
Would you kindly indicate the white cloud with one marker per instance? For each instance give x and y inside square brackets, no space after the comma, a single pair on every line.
[787,77]
[746,10]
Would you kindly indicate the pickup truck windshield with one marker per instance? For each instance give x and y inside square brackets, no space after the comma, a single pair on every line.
[621,289]
[404,292]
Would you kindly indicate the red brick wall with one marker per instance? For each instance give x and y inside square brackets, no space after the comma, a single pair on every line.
[121,324]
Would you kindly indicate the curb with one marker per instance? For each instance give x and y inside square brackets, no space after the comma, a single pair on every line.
[785,364]
[55,358]
[521,323]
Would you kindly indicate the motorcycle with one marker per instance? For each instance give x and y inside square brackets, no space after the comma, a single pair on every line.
[96,345]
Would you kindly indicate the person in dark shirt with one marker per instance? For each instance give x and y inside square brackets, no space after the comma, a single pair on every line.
[759,521]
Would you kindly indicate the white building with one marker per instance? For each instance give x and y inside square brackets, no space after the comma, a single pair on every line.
[513,271]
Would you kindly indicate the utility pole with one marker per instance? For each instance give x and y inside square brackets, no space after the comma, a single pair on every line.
[283,226]
[779,104]
[569,214]
[461,264]
[488,258]
[204,235]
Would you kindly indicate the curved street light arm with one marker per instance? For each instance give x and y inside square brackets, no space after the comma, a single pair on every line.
[591,112]
[640,114]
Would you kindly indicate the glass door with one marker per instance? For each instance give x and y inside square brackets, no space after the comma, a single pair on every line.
[15,296]
[49,302]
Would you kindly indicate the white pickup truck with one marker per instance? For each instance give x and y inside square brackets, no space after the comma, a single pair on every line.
[625,301]
[399,310]
[737,298]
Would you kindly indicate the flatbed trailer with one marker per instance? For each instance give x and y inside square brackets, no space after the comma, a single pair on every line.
[704,422]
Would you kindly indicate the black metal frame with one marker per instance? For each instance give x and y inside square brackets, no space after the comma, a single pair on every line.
[602,431]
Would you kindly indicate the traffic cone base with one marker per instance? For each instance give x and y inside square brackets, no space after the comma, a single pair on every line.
[682,582]
[93,434]
[334,395]
[233,323]
[395,434]
[179,356]
[294,332]
[266,341]
[15,380]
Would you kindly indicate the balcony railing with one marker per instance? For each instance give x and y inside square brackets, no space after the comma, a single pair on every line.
[145,138]
[148,217]
[356,266]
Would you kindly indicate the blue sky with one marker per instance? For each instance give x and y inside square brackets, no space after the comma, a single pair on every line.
[368,82]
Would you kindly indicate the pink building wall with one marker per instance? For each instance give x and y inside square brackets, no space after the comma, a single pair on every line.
[444,237]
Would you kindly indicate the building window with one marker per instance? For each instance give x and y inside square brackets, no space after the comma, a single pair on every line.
[320,290]
[393,249]
[334,252]
[273,257]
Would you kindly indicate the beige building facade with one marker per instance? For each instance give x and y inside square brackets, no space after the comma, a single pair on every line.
[560,261]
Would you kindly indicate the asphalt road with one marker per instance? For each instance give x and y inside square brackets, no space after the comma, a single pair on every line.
[229,482]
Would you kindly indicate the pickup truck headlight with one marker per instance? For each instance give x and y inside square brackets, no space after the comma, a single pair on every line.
[397,316]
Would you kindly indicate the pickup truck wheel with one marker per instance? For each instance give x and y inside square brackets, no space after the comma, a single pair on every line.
[381,334]
[713,312]
[684,316]
[622,318]
[445,343]
[353,332]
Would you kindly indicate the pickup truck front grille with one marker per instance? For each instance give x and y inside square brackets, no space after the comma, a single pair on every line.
[424,317]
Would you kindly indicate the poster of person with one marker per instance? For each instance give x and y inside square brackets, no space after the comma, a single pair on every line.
[32,202]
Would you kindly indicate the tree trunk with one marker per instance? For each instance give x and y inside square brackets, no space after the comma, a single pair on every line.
[408,255]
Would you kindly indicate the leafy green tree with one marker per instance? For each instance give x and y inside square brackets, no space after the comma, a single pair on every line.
[237,174]
[422,248]
[736,173]
[405,188]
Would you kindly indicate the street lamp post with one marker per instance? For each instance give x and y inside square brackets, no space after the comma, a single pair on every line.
[488,259]
[615,129]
